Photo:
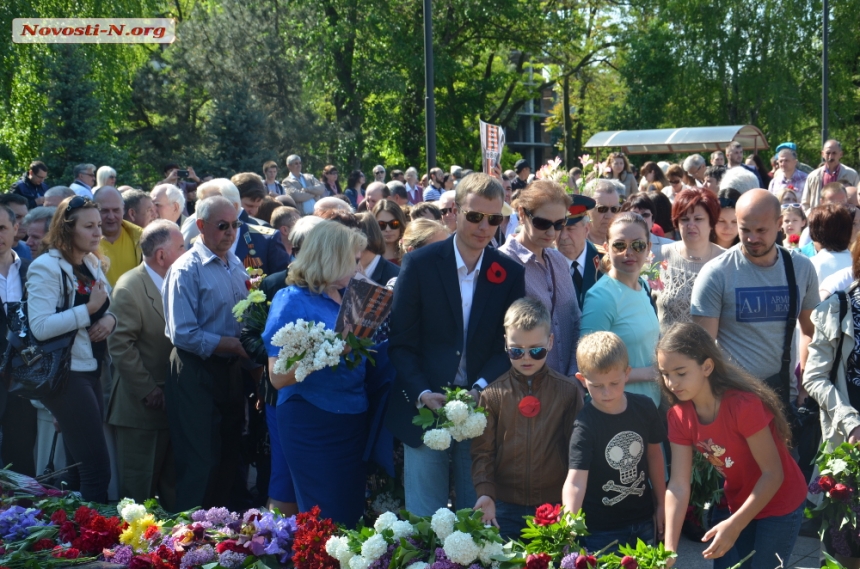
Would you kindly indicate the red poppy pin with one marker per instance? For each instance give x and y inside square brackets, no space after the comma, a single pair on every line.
[496,274]
[529,406]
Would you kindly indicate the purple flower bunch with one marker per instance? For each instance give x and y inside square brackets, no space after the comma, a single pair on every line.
[198,556]
[15,523]
[120,556]
[442,561]
[215,517]
[839,541]
[385,560]
[272,535]
[231,559]
[569,561]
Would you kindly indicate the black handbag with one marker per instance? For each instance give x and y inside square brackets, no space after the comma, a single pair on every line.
[37,369]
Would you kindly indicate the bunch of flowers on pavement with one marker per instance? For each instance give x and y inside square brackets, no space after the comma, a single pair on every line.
[459,419]
[839,476]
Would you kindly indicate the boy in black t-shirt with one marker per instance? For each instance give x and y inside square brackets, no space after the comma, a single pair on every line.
[614,451]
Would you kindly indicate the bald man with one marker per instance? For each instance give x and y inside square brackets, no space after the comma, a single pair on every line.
[120,237]
[742,297]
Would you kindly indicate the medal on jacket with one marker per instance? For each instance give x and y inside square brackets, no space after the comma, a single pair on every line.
[529,406]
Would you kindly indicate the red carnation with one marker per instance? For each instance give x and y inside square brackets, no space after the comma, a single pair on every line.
[70,553]
[539,561]
[547,514]
[43,544]
[67,531]
[826,483]
[586,562]
[529,406]
[496,274]
[58,517]
[794,239]
[841,492]
[84,515]
[629,562]
[140,562]
[151,532]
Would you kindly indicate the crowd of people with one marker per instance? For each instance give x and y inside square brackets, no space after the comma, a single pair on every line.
[603,319]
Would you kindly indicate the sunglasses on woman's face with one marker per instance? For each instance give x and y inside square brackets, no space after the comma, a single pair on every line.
[638,246]
[519,353]
[605,208]
[393,224]
[544,224]
[674,182]
[477,217]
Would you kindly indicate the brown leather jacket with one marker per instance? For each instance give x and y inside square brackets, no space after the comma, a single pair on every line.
[524,460]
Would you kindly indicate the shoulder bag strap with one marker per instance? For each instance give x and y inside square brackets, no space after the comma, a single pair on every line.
[837,359]
[791,321]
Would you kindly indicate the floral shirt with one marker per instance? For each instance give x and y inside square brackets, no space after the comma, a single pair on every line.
[797,182]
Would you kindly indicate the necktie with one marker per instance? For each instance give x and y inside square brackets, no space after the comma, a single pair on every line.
[577,277]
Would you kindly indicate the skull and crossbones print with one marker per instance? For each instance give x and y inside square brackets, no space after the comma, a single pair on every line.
[623,453]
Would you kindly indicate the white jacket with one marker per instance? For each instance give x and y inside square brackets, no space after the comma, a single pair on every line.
[44,299]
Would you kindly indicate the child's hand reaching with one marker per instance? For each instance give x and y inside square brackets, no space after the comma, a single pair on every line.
[724,535]
[488,508]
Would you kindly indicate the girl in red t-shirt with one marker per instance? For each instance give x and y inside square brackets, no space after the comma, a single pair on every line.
[736,422]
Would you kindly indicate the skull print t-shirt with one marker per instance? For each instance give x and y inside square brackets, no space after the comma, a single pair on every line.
[614,451]
[724,444]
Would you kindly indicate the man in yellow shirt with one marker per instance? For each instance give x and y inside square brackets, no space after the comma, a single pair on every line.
[120,238]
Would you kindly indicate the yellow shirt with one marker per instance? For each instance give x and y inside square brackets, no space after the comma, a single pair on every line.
[122,254]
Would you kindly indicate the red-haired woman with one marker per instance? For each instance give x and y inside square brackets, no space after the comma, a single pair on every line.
[694,215]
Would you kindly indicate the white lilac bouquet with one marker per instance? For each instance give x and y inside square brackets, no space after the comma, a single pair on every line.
[307,347]
[460,418]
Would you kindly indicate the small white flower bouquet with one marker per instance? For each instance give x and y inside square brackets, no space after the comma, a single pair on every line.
[310,346]
[460,419]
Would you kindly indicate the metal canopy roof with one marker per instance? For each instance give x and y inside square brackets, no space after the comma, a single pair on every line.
[679,140]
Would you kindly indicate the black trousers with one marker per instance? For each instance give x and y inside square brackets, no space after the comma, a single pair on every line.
[205,413]
[78,408]
[19,434]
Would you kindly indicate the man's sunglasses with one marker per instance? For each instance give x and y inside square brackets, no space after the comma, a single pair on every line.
[605,208]
[534,353]
[393,224]
[477,217]
[225,225]
[674,182]
[447,210]
[638,246]
[544,224]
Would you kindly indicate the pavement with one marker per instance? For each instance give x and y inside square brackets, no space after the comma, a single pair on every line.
[805,555]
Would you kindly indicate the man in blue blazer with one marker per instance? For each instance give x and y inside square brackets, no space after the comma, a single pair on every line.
[581,254]
[447,330]
[258,247]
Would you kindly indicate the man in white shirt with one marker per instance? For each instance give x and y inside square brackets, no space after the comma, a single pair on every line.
[85,179]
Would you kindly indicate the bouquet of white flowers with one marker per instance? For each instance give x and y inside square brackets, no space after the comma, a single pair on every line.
[310,346]
[459,419]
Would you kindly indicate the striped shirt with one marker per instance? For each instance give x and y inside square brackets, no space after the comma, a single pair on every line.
[199,293]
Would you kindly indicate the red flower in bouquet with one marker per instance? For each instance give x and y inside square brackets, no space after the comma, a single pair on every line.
[629,562]
[826,483]
[841,492]
[586,562]
[230,545]
[97,532]
[310,539]
[58,517]
[547,514]
[44,545]
[70,553]
[68,533]
[83,515]
[794,239]
[539,561]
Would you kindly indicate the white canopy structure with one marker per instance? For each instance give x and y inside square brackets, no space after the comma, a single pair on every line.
[701,139]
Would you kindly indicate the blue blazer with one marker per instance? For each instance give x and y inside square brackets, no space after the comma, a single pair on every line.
[260,246]
[426,334]
[590,274]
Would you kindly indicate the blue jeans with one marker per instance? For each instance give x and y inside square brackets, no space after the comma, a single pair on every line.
[425,473]
[510,518]
[769,537]
[625,535]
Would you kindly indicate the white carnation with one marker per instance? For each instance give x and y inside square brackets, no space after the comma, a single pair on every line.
[374,548]
[437,439]
[384,522]
[123,503]
[359,562]
[338,547]
[402,529]
[132,512]
[457,412]
[442,522]
[461,548]
[491,549]
[475,425]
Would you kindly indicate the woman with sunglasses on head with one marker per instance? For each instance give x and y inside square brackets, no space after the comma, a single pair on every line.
[695,213]
[794,221]
[617,167]
[725,233]
[620,302]
[392,223]
[67,291]
[542,210]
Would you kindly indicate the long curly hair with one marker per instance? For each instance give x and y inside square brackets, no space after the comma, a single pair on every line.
[694,342]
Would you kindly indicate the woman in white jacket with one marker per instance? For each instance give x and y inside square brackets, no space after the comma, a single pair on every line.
[71,254]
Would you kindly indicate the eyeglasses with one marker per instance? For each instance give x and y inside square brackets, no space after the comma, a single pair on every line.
[77,202]
[786,206]
[534,353]
[605,208]
[674,182]
[477,217]
[638,246]
[393,224]
[544,224]
[447,210]
[225,225]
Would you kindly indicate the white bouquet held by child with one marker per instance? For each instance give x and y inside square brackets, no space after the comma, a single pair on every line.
[306,347]
[459,419]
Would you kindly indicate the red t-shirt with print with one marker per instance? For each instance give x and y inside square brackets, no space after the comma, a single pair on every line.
[724,444]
